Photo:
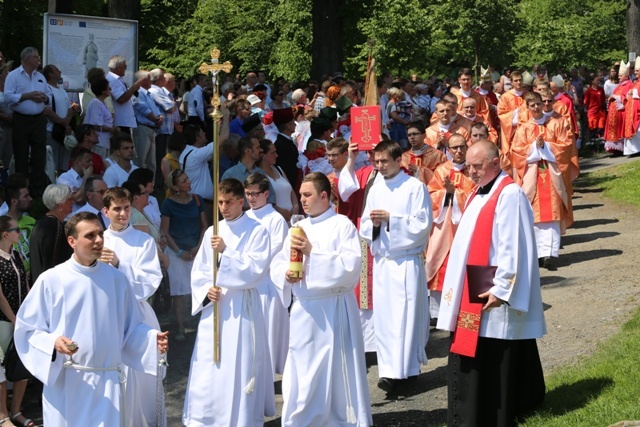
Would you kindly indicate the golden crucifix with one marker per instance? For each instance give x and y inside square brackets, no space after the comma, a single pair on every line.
[214,68]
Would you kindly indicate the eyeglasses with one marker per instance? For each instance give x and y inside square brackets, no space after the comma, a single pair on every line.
[414,134]
[9,230]
[253,193]
[458,148]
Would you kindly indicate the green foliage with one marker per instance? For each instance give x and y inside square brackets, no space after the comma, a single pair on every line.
[412,36]
[400,31]
[620,183]
[466,30]
[566,33]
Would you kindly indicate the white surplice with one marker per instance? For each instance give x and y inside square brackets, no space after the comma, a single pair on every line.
[325,376]
[95,307]
[517,278]
[275,313]
[238,391]
[138,260]
[401,314]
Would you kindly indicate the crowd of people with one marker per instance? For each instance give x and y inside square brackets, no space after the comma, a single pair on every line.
[445,224]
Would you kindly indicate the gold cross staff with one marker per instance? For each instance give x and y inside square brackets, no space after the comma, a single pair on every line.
[214,68]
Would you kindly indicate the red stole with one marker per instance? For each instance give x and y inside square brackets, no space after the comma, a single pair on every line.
[544,186]
[465,337]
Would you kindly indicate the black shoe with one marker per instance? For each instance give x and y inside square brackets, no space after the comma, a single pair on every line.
[410,380]
[433,322]
[546,263]
[387,384]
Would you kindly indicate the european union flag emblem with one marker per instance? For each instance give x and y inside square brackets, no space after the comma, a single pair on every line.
[83,24]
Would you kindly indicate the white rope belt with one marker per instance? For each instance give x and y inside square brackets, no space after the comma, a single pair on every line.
[122,379]
[322,296]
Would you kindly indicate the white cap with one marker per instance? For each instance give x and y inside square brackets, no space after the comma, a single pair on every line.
[558,80]
[624,68]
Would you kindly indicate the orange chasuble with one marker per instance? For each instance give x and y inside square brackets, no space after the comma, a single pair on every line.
[444,228]
[508,104]
[482,108]
[427,162]
[548,185]
[468,123]
[457,126]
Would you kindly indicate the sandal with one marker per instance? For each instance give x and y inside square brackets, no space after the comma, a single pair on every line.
[4,420]
[28,422]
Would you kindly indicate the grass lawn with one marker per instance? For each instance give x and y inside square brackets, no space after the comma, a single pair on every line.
[620,183]
[603,388]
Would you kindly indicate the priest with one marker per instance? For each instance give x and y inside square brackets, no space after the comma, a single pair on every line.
[78,326]
[325,376]
[545,164]
[238,390]
[449,189]
[396,222]
[422,159]
[494,371]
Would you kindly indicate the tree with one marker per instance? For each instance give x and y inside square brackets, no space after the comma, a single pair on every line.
[124,9]
[633,26]
[472,32]
[326,47]
[400,31]
[565,33]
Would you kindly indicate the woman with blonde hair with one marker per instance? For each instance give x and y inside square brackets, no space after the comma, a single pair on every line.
[183,224]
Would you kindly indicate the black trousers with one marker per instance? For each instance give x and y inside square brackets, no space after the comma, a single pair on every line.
[504,381]
[29,143]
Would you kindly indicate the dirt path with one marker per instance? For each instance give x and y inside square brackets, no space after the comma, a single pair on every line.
[586,300]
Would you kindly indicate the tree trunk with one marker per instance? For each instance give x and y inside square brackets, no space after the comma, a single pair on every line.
[61,6]
[124,9]
[326,48]
[633,26]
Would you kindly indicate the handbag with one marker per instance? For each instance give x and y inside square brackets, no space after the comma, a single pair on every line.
[14,369]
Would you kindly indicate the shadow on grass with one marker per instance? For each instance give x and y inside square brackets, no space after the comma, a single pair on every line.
[583,256]
[587,190]
[411,418]
[569,397]
[586,223]
[588,180]
[587,206]
[589,237]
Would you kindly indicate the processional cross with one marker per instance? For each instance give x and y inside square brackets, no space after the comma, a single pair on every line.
[214,68]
